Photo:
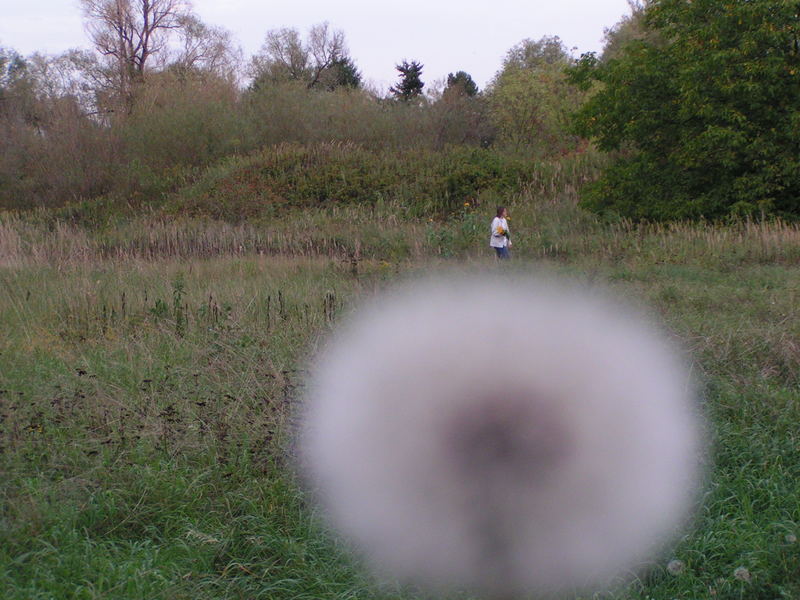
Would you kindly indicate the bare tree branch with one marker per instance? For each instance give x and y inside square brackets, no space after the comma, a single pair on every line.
[325,47]
[130,32]
[206,49]
[284,56]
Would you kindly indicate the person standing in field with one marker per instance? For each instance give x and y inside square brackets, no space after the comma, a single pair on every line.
[500,239]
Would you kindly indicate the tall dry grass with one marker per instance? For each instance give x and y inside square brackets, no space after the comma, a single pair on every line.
[338,234]
[553,226]
[542,230]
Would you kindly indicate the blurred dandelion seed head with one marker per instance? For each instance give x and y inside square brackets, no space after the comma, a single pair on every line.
[676,567]
[501,437]
[742,574]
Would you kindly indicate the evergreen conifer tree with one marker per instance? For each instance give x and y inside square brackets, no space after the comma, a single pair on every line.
[462,84]
[410,84]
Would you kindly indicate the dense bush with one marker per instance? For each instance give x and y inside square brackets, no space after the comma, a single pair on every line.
[53,156]
[180,121]
[53,152]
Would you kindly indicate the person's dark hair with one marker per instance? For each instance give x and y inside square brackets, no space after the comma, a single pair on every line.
[500,210]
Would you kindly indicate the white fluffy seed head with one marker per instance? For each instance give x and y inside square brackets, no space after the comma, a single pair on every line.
[501,437]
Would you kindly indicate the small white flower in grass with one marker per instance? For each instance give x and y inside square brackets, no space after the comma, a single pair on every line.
[499,437]
[676,567]
[790,538]
[742,574]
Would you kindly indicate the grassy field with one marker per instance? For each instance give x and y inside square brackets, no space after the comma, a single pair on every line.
[147,374]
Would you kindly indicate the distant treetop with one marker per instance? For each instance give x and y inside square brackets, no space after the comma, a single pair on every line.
[461,84]
[410,85]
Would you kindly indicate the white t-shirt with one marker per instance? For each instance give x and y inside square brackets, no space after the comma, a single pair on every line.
[498,240]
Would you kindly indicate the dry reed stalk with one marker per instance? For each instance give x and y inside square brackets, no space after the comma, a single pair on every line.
[11,252]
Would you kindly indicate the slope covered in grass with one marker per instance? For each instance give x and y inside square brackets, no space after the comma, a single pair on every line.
[424,182]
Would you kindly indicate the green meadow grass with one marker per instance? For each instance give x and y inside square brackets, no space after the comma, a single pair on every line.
[148,376]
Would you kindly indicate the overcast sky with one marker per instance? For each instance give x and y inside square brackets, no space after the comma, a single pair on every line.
[446,36]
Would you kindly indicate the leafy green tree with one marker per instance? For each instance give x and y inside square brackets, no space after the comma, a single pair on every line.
[531,99]
[536,54]
[410,85]
[461,84]
[703,122]
[630,28]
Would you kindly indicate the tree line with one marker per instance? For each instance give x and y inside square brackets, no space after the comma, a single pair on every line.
[162,94]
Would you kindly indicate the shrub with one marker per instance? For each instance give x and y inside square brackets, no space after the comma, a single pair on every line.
[179,121]
[423,182]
